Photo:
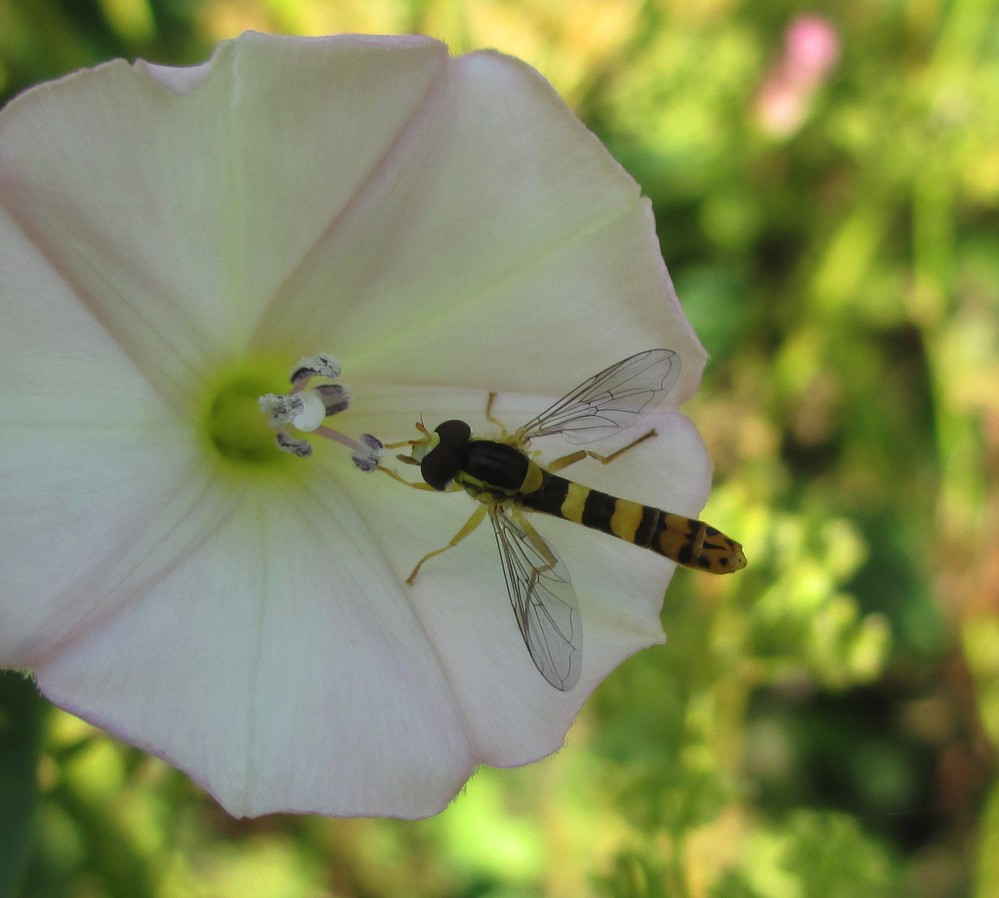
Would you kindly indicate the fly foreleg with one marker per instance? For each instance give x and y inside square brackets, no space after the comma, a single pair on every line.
[467,528]
[415,486]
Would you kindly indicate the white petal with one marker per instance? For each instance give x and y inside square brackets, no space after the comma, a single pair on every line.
[90,452]
[175,216]
[282,666]
[495,238]
[59,365]
[89,523]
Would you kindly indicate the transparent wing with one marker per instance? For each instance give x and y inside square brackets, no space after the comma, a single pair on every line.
[609,401]
[542,597]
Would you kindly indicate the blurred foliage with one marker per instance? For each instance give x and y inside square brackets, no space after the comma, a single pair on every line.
[826,183]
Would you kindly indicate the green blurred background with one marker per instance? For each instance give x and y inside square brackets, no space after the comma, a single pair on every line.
[826,183]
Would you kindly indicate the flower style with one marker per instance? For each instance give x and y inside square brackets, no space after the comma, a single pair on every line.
[171,241]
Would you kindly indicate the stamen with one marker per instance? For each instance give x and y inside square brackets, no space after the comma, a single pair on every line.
[292,446]
[305,410]
[370,460]
[321,365]
[279,410]
[366,455]
[334,396]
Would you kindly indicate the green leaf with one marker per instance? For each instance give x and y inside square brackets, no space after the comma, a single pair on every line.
[20,743]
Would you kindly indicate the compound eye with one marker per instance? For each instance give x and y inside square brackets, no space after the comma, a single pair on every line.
[443,462]
[453,433]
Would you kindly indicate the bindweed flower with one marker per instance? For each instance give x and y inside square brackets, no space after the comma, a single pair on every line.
[172,240]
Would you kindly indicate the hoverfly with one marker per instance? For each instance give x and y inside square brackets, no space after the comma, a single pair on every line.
[506,480]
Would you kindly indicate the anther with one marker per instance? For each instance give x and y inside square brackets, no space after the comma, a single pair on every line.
[292,446]
[335,398]
[369,456]
[306,410]
[321,365]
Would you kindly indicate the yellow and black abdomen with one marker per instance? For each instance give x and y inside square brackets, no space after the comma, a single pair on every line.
[688,541]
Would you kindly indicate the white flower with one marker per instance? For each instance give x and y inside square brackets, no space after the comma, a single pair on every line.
[171,240]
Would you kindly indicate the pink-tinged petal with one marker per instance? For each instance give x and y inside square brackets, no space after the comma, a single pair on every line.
[179,80]
[494,225]
[293,677]
[91,460]
[175,206]
[59,366]
[99,520]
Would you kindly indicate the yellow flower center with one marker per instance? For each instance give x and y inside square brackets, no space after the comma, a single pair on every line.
[234,430]
[248,426]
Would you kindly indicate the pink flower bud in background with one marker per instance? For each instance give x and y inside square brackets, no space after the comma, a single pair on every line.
[811,49]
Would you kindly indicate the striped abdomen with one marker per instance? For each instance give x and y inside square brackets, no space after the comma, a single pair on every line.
[687,541]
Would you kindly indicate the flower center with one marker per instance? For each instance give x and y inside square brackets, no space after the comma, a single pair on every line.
[305,410]
[235,426]
[231,420]
[249,427]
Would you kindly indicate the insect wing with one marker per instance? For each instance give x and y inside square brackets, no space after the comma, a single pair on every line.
[542,597]
[609,401]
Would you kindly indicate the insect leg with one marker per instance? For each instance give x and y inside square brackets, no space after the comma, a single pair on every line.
[420,427]
[403,480]
[540,546]
[477,517]
[570,459]
[489,415]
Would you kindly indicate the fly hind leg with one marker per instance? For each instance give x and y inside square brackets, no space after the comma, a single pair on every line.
[564,461]
[547,562]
